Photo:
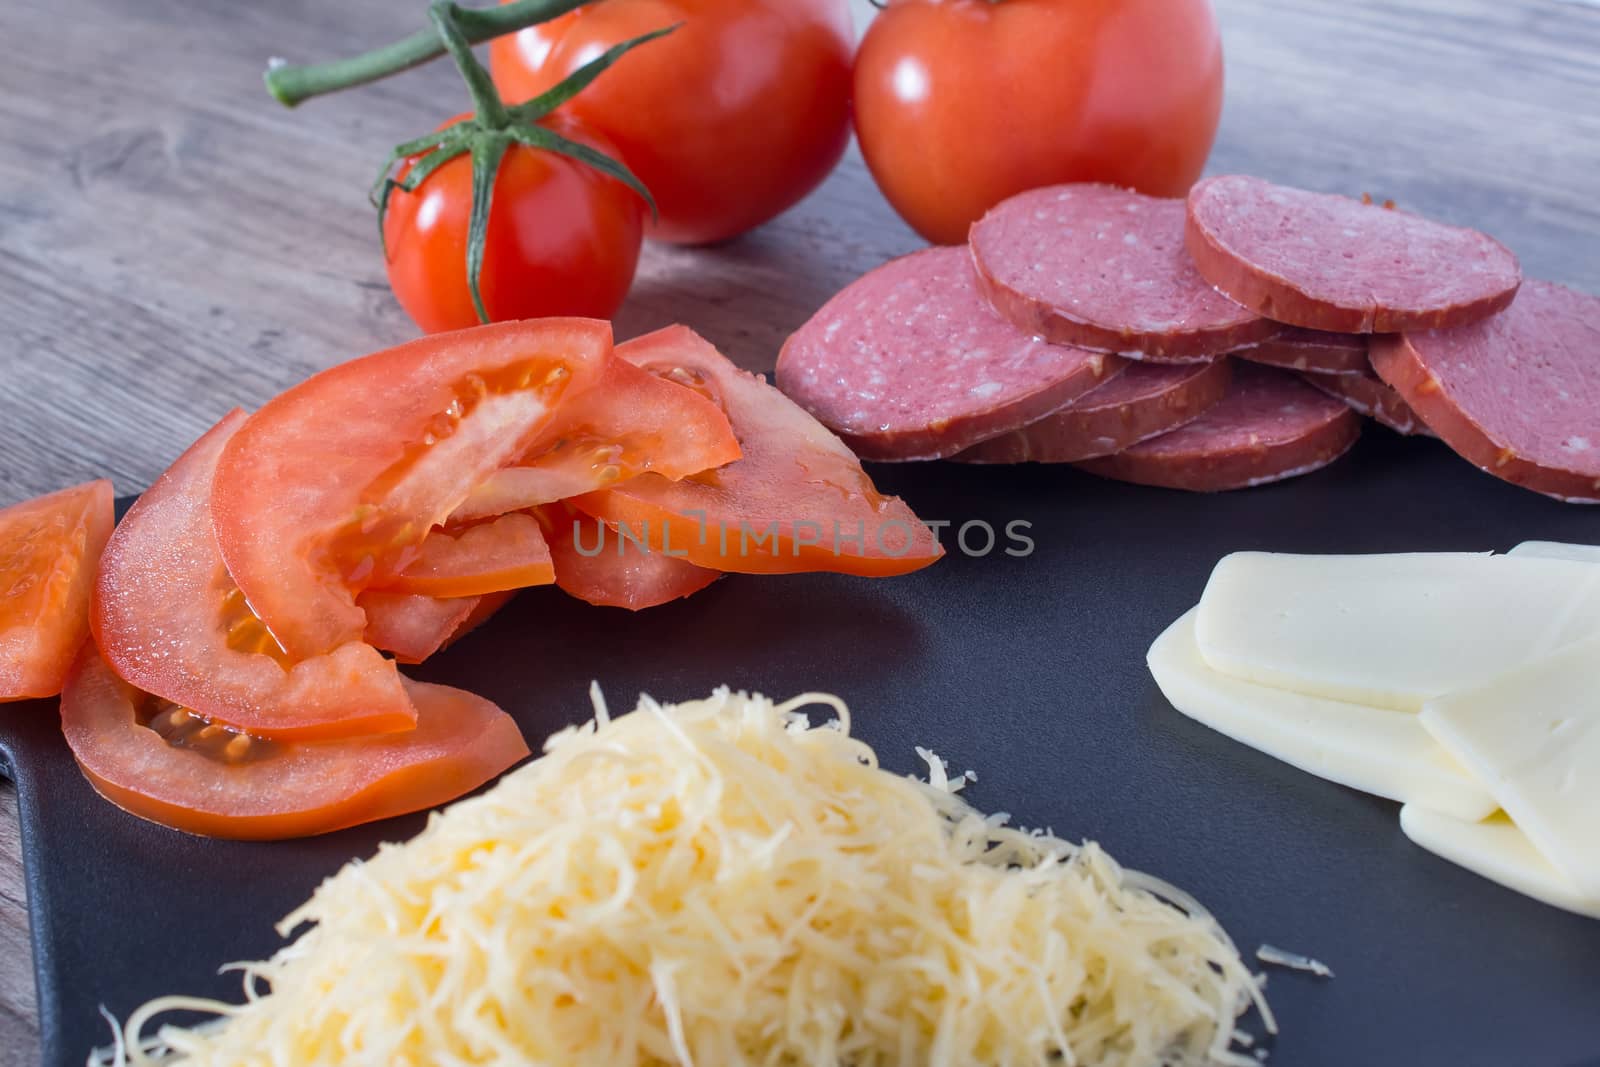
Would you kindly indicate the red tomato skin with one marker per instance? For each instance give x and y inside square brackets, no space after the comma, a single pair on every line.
[960,104]
[729,121]
[563,238]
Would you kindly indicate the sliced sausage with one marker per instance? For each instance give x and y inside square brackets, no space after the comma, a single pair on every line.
[1518,395]
[910,362]
[1328,262]
[1269,426]
[1312,350]
[1369,395]
[1144,401]
[1105,268]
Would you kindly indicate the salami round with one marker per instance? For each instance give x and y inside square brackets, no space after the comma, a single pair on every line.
[910,362]
[1269,426]
[1518,395]
[1369,395]
[1144,401]
[1328,262]
[1312,350]
[1105,268]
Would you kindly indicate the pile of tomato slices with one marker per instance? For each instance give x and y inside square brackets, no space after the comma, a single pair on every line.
[250,613]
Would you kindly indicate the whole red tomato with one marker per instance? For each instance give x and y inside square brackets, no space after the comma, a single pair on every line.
[728,121]
[963,103]
[563,238]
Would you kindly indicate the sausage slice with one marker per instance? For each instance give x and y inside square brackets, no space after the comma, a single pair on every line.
[1369,395]
[1269,426]
[1144,401]
[1312,350]
[1517,395]
[910,362]
[1328,262]
[1105,268]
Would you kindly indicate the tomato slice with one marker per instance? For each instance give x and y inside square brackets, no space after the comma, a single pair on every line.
[170,621]
[632,422]
[331,487]
[410,625]
[506,552]
[482,612]
[161,762]
[595,563]
[49,549]
[798,500]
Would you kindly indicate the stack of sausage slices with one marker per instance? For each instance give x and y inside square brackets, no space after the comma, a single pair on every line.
[1092,325]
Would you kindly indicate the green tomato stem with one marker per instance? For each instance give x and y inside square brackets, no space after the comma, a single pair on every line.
[486,102]
[292,84]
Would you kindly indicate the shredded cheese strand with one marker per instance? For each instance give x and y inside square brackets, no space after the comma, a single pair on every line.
[1273,956]
[720,882]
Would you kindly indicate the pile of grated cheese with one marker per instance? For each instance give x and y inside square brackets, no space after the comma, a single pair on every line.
[719,883]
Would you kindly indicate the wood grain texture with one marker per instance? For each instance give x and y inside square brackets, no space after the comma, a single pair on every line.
[173,244]
[18,1042]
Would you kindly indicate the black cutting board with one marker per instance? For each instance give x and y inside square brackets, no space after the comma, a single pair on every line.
[1029,670]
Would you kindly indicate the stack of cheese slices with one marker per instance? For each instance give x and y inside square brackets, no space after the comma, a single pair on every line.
[1465,686]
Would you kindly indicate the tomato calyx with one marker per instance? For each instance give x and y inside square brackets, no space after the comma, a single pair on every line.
[490,132]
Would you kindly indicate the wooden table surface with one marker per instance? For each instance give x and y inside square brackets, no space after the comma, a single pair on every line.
[173,244]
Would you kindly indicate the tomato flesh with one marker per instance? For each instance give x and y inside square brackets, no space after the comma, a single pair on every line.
[630,424]
[1126,92]
[332,487]
[161,762]
[49,550]
[599,565]
[170,620]
[798,500]
[411,626]
[506,552]
[483,610]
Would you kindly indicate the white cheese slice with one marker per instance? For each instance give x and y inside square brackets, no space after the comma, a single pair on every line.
[1498,851]
[1375,750]
[1557,550]
[1390,631]
[1532,737]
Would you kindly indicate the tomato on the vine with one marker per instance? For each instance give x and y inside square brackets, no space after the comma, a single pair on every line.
[729,121]
[563,237]
[963,103]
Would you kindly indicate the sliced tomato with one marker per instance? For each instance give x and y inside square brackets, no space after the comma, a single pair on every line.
[798,500]
[49,549]
[506,552]
[597,564]
[410,625]
[160,761]
[170,621]
[631,423]
[482,612]
[331,487]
